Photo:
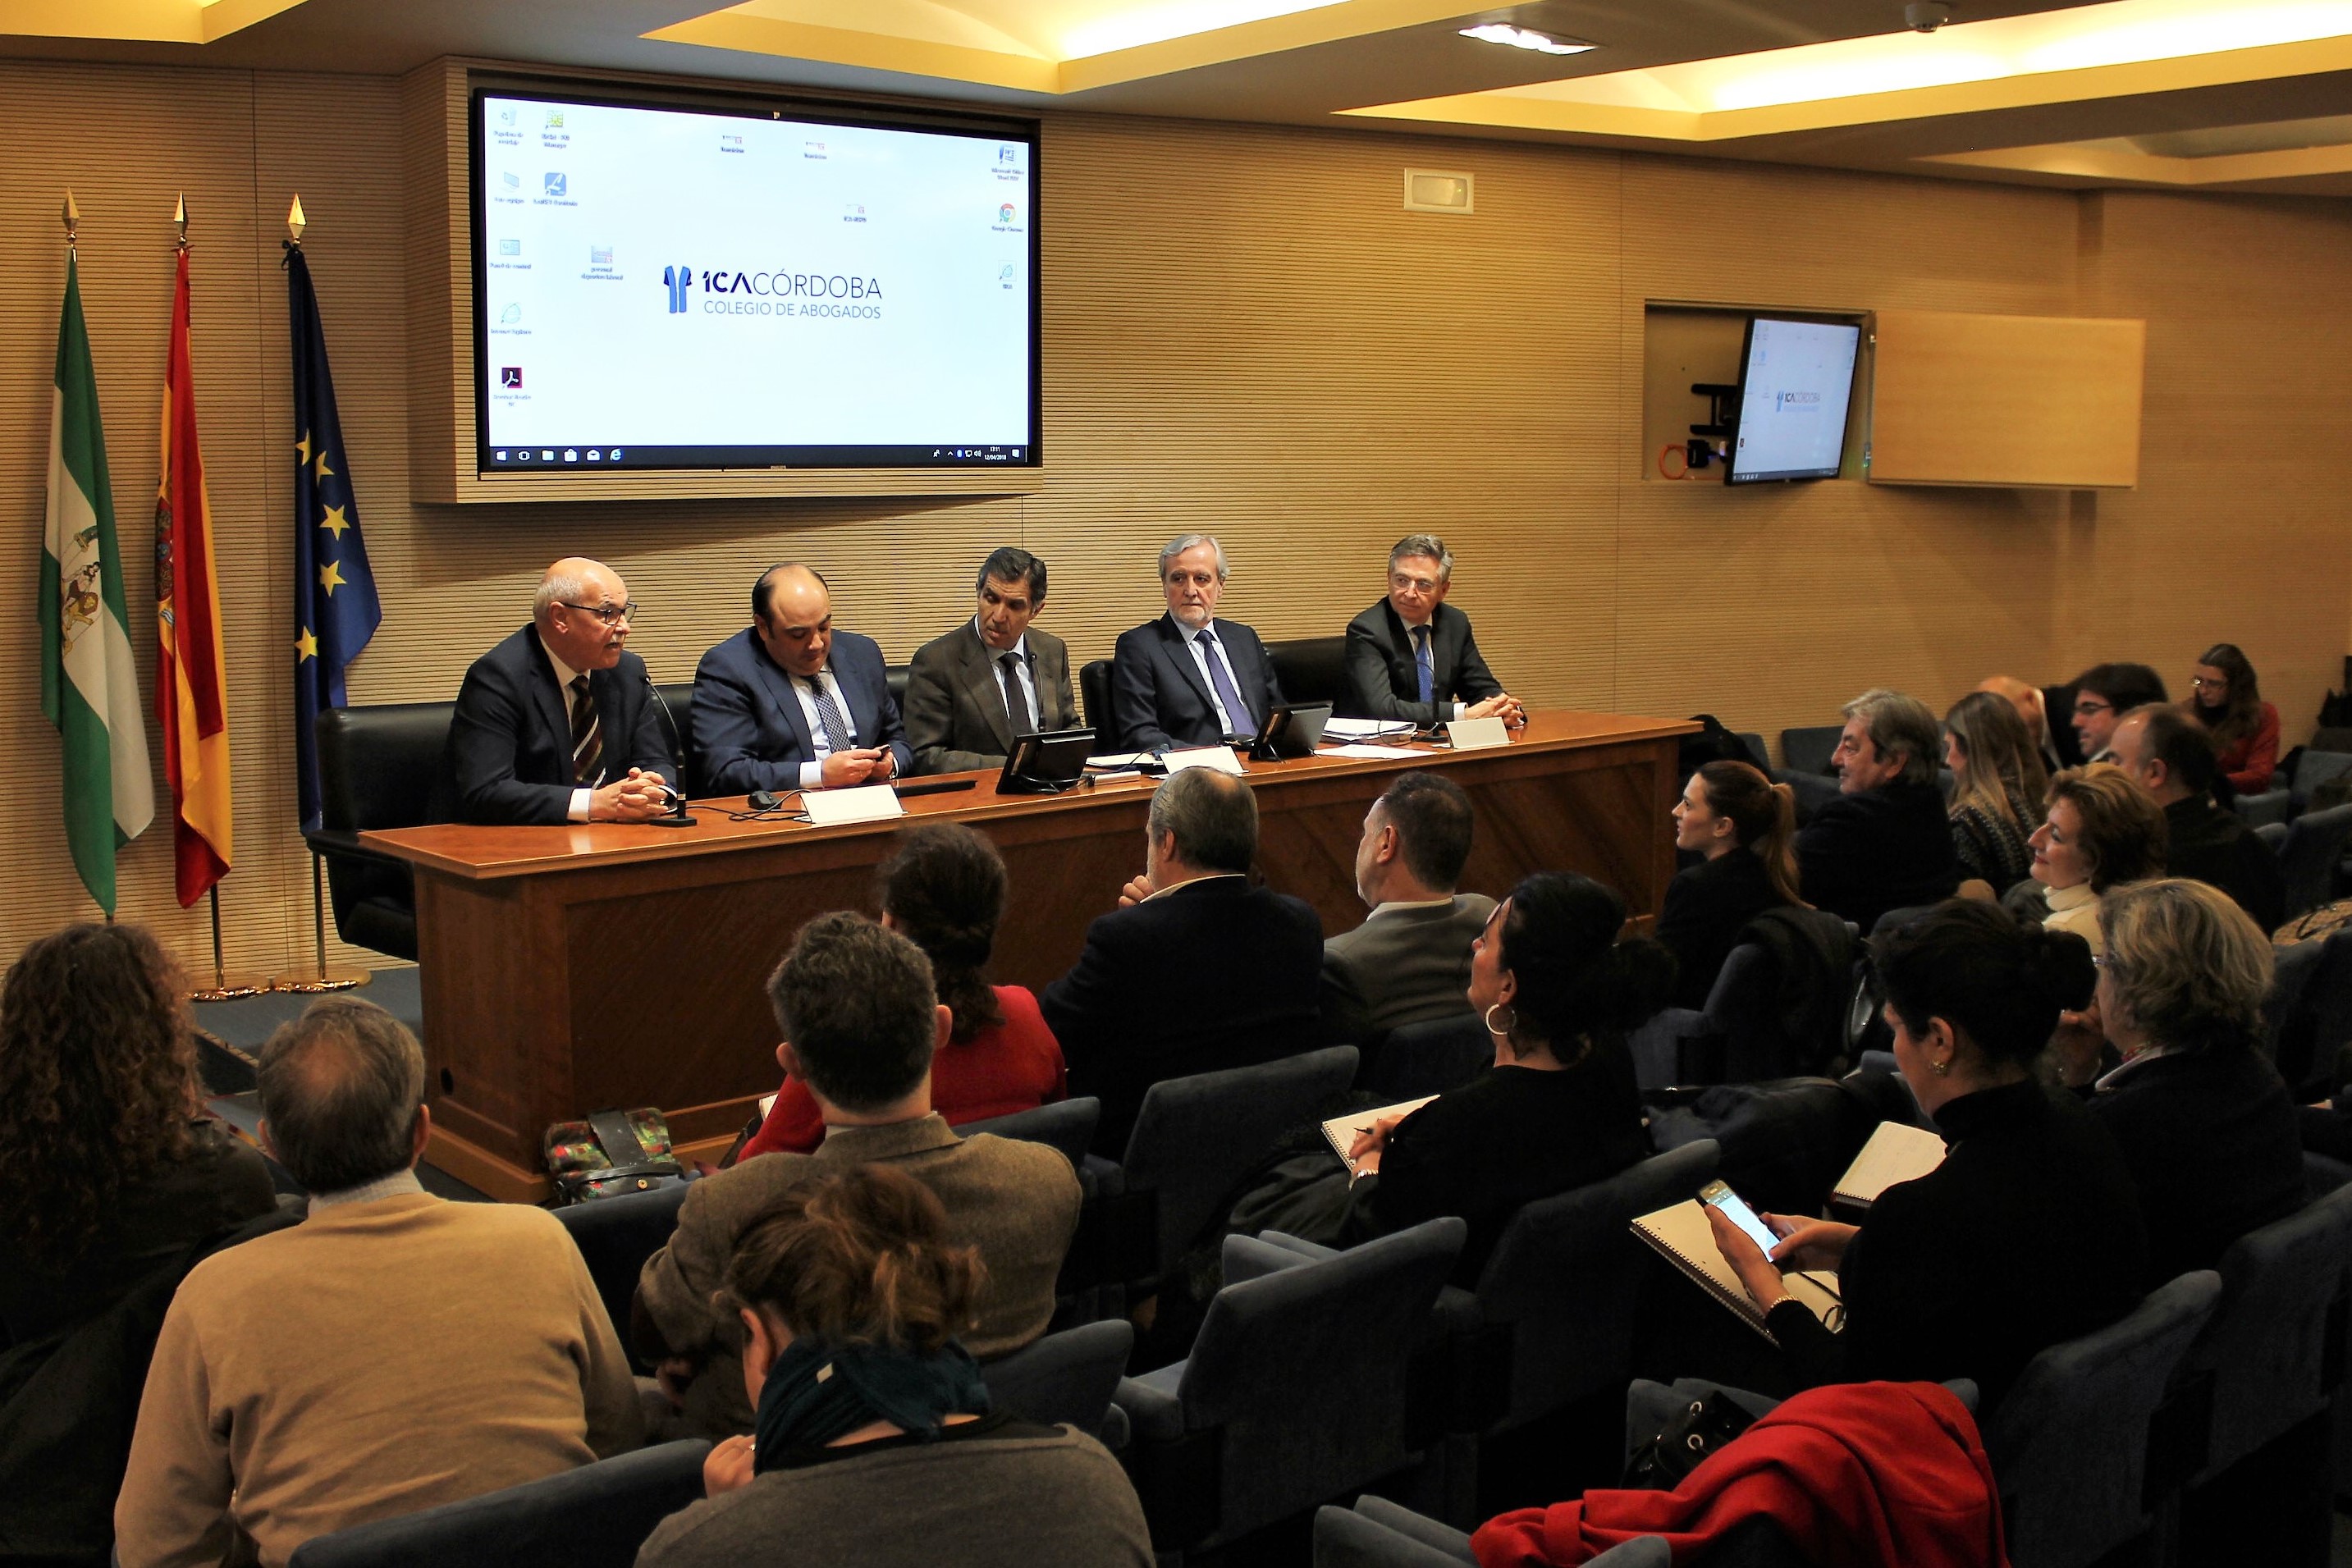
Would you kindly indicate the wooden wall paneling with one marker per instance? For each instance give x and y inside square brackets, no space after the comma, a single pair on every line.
[2023,401]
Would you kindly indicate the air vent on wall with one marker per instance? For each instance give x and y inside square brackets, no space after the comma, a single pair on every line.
[1438,190]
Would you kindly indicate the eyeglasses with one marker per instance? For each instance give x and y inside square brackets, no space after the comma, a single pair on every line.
[1403,584]
[2100,961]
[2085,706]
[610,614]
[2200,684]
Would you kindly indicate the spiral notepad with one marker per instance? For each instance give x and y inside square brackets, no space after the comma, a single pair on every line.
[1682,1237]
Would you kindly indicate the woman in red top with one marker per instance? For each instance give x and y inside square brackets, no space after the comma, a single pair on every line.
[2227,701]
[944,890]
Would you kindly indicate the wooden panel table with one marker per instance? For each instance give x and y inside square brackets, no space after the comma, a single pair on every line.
[574,969]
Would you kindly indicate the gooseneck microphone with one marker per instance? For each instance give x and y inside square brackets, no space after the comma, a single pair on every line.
[677,816]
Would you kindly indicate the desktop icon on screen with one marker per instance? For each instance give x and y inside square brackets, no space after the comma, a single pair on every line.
[513,181]
[1004,214]
[510,376]
[510,248]
[511,314]
[555,183]
[555,119]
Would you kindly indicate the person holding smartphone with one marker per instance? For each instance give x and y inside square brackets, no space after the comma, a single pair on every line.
[2028,1234]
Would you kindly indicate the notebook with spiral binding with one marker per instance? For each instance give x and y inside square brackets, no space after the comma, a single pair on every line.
[1894,1153]
[1341,1132]
[1682,1237]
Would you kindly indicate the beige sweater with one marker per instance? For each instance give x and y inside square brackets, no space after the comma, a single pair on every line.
[380,1358]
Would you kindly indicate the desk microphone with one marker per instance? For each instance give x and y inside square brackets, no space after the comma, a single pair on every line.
[678,815]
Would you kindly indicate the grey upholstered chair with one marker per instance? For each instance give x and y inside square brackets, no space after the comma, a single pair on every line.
[1066,1125]
[616,1235]
[1067,1378]
[1381,1534]
[2315,843]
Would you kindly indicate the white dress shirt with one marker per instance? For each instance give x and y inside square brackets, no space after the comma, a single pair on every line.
[813,773]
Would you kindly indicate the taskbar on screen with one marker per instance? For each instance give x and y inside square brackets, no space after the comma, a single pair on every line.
[580,459]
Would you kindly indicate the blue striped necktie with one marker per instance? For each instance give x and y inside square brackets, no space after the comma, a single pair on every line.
[1424,665]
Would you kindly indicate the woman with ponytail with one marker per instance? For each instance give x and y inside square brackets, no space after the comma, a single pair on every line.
[1746,826]
[876,1442]
[2029,1231]
[944,890]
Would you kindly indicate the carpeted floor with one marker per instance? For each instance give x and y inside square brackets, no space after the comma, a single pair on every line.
[229,1036]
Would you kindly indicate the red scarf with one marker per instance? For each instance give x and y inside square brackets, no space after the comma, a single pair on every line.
[1859,1475]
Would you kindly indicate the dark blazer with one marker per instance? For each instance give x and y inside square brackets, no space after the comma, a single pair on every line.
[2213,1149]
[2028,1234]
[2063,746]
[1214,974]
[748,730]
[956,719]
[1382,682]
[1406,965]
[1158,698]
[509,753]
[1708,905]
[1888,848]
[2213,846]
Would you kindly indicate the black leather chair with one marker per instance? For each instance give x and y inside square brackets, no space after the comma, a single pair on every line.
[376,769]
[1312,670]
[1094,690]
[895,677]
[679,695]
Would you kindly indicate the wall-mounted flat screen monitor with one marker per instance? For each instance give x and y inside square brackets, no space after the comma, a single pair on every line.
[672,287]
[1796,379]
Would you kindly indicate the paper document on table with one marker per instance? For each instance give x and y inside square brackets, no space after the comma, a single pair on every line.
[1359,749]
[1364,728]
[1120,759]
[1220,758]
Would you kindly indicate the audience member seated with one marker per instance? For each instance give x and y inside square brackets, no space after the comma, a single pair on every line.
[858,1007]
[1196,971]
[1998,783]
[2227,700]
[2054,744]
[1746,826]
[944,889]
[1557,1109]
[2103,695]
[1410,657]
[1409,959]
[2203,1121]
[2028,1234]
[2102,830]
[1884,842]
[392,1353]
[875,1440]
[2171,756]
[122,1178]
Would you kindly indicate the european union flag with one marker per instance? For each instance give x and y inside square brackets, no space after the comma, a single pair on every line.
[335,607]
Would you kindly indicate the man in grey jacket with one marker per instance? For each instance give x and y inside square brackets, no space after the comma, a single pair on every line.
[970,694]
[1409,962]
[860,1023]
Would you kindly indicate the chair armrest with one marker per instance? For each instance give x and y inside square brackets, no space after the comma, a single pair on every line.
[1417,1528]
[1314,1252]
[1155,1413]
[2270,806]
[1247,1258]
[1658,1046]
[344,843]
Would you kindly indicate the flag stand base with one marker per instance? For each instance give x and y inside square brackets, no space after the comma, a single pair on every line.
[226,987]
[322,980]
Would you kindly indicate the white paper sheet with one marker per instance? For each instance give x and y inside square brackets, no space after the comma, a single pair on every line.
[1367,751]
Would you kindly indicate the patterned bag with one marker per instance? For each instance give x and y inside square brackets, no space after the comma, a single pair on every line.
[612,1152]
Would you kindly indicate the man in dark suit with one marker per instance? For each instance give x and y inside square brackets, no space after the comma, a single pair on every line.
[1188,678]
[995,677]
[1196,971]
[2173,755]
[1884,842]
[1409,962]
[1410,657]
[788,703]
[2059,744]
[557,723]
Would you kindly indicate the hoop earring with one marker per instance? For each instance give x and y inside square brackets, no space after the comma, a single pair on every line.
[1506,1030]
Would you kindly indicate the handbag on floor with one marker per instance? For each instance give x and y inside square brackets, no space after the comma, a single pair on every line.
[610,1153]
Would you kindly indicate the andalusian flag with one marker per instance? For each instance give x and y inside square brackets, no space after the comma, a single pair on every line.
[87,687]
[190,681]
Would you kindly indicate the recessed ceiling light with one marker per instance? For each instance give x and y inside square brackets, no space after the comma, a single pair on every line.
[1526,38]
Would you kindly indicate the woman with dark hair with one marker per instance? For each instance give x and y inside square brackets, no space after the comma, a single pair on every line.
[1746,826]
[944,890]
[2204,1121]
[2224,696]
[1997,781]
[2103,830]
[2028,1234]
[875,1441]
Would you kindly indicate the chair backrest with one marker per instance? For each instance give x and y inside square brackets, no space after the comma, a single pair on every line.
[1312,669]
[2271,833]
[378,767]
[1196,1136]
[1068,1125]
[2319,1025]
[616,1235]
[895,677]
[679,698]
[1743,1041]
[1754,742]
[2069,1441]
[1065,1377]
[1305,1372]
[2268,1347]
[1808,750]
[2292,967]
[1094,691]
[2315,768]
[2314,843]
[1565,1280]
[594,1517]
[1418,1059]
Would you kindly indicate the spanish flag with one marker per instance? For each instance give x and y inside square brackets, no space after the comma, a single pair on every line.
[190,681]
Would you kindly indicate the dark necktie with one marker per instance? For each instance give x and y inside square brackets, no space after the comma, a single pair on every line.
[587,736]
[828,716]
[1016,702]
[1244,723]
[1424,665]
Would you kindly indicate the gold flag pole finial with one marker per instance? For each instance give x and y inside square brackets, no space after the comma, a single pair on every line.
[179,216]
[295,222]
[72,217]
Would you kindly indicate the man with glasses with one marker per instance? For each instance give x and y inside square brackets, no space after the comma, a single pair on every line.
[2103,695]
[789,703]
[557,723]
[1410,657]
